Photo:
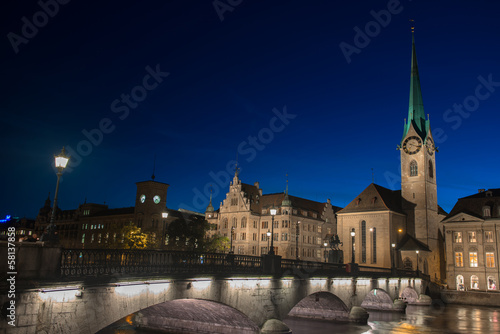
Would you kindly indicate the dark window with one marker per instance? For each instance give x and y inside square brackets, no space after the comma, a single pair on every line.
[413,168]
[374,245]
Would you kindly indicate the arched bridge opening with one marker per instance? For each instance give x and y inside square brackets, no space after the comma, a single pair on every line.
[321,305]
[195,315]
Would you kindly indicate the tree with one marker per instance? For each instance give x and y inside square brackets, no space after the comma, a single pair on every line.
[217,244]
[130,237]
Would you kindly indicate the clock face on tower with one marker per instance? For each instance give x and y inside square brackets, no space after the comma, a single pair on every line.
[143,198]
[430,146]
[412,145]
[156,199]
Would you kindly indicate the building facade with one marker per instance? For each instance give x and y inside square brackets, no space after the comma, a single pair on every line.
[401,228]
[471,238]
[94,225]
[301,226]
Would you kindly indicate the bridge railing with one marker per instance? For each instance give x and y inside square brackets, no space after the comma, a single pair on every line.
[79,262]
[96,262]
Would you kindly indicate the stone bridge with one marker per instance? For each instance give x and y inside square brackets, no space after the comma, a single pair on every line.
[88,290]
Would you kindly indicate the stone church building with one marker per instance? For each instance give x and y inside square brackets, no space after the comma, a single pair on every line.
[401,228]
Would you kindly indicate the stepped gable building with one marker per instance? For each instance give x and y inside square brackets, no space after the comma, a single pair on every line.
[408,218]
[301,226]
[471,232]
[94,225]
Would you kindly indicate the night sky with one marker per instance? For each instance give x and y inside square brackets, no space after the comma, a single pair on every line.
[198,83]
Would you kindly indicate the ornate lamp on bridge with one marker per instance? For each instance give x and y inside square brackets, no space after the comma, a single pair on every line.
[353,234]
[268,236]
[273,213]
[325,244]
[50,234]
[417,261]
[231,244]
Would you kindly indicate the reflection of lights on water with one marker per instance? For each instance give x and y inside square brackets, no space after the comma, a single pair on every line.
[128,319]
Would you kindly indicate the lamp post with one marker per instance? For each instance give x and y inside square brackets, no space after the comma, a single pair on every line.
[268,236]
[417,262]
[61,161]
[325,244]
[273,213]
[164,215]
[231,244]
[353,234]
[297,232]
[393,255]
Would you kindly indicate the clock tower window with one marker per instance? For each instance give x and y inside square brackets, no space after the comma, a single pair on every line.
[413,168]
[431,170]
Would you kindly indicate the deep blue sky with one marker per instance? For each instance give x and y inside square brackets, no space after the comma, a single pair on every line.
[225,78]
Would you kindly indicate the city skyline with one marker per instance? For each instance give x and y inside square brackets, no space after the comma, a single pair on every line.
[206,84]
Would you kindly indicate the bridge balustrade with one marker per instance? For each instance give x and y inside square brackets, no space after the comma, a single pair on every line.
[91,262]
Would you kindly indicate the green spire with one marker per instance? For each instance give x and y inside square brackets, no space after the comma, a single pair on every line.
[416,114]
[286,201]
[210,207]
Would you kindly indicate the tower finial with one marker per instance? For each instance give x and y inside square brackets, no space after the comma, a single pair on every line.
[412,25]
[286,201]
[154,167]
[210,207]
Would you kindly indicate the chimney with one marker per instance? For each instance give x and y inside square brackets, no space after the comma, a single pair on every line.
[480,190]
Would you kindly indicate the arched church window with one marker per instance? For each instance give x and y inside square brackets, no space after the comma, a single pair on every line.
[486,211]
[243,222]
[235,222]
[225,223]
[413,168]
[431,169]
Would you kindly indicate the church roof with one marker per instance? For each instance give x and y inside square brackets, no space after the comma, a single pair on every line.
[375,198]
[409,243]
[416,113]
[474,204]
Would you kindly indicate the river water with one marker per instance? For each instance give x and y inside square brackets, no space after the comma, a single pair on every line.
[417,319]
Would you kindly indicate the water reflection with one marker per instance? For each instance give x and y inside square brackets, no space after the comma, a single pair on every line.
[436,319]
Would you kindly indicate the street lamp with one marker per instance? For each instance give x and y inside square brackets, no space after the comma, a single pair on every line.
[353,234]
[325,244]
[268,235]
[231,244]
[273,213]
[61,161]
[164,215]
[393,255]
[297,232]
[417,261]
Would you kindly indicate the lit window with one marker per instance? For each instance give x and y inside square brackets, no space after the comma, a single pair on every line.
[459,259]
[488,236]
[474,282]
[490,260]
[457,237]
[472,237]
[83,238]
[473,259]
[460,283]
[491,283]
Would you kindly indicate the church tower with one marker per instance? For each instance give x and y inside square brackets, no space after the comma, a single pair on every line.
[418,167]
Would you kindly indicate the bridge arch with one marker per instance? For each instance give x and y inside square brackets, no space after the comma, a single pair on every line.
[377,299]
[321,305]
[195,315]
[409,294]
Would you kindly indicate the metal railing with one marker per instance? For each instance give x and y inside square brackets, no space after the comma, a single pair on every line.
[101,262]
[92,262]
